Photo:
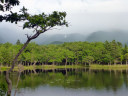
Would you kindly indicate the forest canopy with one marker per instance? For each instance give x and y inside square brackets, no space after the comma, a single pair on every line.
[68,53]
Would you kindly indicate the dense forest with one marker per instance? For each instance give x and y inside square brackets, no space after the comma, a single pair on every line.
[71,53]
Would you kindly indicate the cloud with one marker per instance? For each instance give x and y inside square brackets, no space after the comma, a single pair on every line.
[108,6]
[35,6]
[84,16]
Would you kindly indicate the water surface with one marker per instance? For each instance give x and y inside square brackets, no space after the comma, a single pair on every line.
[70,82]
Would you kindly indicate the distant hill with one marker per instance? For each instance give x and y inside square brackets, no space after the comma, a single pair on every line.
[99,36]
[11,35]
[57,42]
[121,36]
[60,38]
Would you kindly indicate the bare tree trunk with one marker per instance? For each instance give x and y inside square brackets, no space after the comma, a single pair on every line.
[66,71]
[89,63]
[72,63]
[34,63]
[85,63]
[76,61]
[66,61]
[121,62]
[17,83]
[12,67]
[114,62]
[53,63]
[9,82]
[34,71]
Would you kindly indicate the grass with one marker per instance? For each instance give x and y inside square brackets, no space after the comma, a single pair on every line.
[97,66]
[63,66]
[92,66]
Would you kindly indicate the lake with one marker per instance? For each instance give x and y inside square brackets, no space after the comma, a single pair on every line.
[69,82]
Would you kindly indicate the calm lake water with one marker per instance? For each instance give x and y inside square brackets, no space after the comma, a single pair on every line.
[69,82]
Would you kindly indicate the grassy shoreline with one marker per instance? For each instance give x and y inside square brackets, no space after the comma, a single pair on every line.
[41,67]
[112,67]
[93,66]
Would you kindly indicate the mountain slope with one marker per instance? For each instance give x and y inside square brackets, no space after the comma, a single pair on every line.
[121,36]
[48,39]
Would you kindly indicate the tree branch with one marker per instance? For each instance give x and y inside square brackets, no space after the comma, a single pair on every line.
[28,36]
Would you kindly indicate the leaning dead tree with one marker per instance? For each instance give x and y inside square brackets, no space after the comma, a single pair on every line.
[40,23]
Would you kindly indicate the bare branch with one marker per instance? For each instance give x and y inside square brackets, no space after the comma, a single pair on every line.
[28,36]
[35,29]
[48,28]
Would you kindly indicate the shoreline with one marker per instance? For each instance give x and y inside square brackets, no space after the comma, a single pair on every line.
[46,67]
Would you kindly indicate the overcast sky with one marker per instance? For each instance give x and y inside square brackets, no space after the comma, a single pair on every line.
[84,16]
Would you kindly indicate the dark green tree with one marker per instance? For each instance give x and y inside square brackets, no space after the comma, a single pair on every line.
[6,5]
[115,51]
[18,42]
[125,49]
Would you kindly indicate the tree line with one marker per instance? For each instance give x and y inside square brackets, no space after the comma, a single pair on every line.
[68,53]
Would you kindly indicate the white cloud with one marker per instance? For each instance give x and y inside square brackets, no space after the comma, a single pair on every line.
[83,15]
[108,6]
[35,6]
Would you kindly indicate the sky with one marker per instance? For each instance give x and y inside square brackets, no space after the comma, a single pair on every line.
[84,16]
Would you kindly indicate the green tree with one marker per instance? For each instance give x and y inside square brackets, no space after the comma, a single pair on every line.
[107,46]
[98,51]
[115,51]
[18,42]
[39,23]
[125,49]
[6,54]
[88,59]
[121,58]
[55,54]
[107,58]
[126,58]
[67,55]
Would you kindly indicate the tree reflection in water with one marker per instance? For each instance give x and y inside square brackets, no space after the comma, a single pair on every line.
[3,89]
[69,78]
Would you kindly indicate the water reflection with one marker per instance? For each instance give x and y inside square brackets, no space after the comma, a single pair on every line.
[70,80]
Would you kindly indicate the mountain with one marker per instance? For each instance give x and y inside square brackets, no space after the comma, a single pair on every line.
[57,42]
[121,36]
[98,36]
[60,38]
[9,35]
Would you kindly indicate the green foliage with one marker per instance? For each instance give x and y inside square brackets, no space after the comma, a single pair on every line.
[39,23]
[44,21]
[125,49]
[126,56]
[115,49]
[18,42]
[5,5]
[88,59]
[3,90]
[66,53]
